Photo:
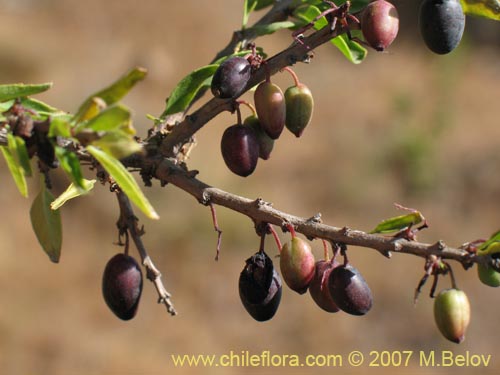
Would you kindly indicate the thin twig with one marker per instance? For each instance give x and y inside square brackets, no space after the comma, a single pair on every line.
[129,221]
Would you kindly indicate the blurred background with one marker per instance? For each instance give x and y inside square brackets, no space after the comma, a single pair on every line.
[405,126]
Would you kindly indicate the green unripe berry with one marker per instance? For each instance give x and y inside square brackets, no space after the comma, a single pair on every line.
[299,108]
[452,314]
[297,264]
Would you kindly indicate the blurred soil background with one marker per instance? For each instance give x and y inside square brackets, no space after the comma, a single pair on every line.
[405,126]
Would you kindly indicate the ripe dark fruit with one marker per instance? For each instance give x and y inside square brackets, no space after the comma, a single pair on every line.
[349,290]
[266,143]
[299,108]
[442,24]
[452,314]
[380,24]
[231,78]
[260,287]
[297,264]
[122,286]
[240,149]
[318,288]
[271,109]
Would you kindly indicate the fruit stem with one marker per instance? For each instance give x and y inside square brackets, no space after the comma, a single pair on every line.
[262,242]
[275,235]
[238,112]
[249,105]
[217,229]
[452,276]
[291,229]
[293,74]
[268,73]
[325,250]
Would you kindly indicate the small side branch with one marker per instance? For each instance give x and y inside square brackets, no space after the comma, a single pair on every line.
[128,221]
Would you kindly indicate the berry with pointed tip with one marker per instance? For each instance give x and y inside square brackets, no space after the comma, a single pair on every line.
[271,109]
[266,143]
[260,287]
[452,314]
[122,286]
[318,288]
[299,108]
[231,78]
[349,290]
[442,24]
[380,24]
[297,264]
[240,149]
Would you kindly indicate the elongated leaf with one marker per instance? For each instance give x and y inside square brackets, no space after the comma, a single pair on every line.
[18,90]
[248,7]
[261,4]
[42,109]
[21,152]
[60,126]
[118,144]
[187,89]
[125,181]
[495,237]
[16,170]
[72,192]
[71,165]
[47,224]
[109,119]
[483,8]
[398,223]
[89,110]
[271,28]
[352,50]
[112,94]
[5,106]
[307,13]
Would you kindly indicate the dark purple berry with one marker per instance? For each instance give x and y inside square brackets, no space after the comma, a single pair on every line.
[231,78]
[122,286]
[260,287]
[240,149]
[442,24]
[318,288]
[271,109]
[266,143]
[380,24]
[349,290]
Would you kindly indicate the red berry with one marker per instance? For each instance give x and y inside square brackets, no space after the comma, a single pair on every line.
[380,24]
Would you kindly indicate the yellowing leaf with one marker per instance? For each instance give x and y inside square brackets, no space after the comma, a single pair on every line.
[18,90]
[47,224]
[483,8]
[72,192]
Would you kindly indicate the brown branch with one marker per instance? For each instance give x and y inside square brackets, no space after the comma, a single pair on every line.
[129,221]
[262,212]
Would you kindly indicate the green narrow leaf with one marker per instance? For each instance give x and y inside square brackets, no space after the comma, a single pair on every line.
[112,94]
[398,223]
[71,165]
[110,118]
[124,180]
[72,192]
[307,13]
[352,50]
[47,224]
[117,144]
[5,106]
[495,237]
[261,4]
[22,154]
[15,170]
[18,90]
[248,7]
[59,126]
[271,28]
[42,109]
[483,8]
[187,89]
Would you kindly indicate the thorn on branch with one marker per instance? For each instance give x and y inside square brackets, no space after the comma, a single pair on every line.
[217,229]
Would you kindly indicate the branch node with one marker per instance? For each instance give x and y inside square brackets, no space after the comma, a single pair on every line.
[315,219]
[439,245]
[345,231]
